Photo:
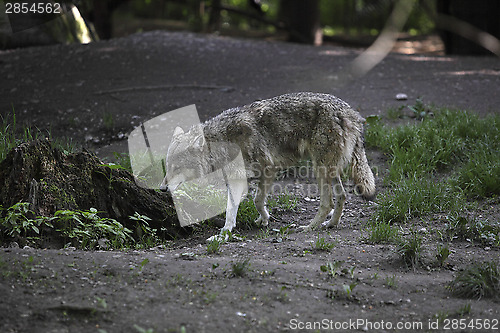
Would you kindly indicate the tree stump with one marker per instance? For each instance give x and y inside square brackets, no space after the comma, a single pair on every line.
[50,180]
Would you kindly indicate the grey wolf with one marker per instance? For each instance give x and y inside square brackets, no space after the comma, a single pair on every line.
[275,134]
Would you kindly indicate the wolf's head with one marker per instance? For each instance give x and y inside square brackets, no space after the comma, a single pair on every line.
[187,157]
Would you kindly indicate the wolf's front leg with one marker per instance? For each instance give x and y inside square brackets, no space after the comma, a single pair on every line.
[235,191]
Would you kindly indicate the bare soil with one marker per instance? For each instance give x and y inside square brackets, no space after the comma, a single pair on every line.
[95,94]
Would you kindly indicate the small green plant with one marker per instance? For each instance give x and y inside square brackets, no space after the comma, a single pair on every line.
[247,213]
[148,237]
[395,113]
[108,121]
[420,110]
[382,232]
[410,249]
[143,263]
[17,220]
[143,330]
[213,247]
[348,288]
[442,253]
[263,234]
[322,244]
[441,316]
[86,228]
[283,232]
[11,136]
[473,229]
[464,310]
[477,281]
[283,201]
[333,269]
[123,160]
[101,302]
[391,281]
[414,197]
[240,268]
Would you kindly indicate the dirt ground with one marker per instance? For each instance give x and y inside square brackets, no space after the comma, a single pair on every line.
[97,93]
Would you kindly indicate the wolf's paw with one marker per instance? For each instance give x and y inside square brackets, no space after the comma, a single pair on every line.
[261,222]
[332,225]
[221,238]
[306,228]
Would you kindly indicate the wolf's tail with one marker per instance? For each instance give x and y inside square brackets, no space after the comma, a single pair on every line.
[362,173]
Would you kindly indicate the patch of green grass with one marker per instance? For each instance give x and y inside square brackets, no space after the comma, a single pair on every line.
[464,310]
[391,282]
[410,249]
[247,213]
[479,176]
[333,269]
[477,281]
[414,197]
[213,247]
[240,268]
[322,244]
[461,227]
[440,143]
[11,136]
[382,233]
[442,253]
[283,201]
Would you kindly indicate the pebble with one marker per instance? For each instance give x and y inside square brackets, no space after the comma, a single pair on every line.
[401,97]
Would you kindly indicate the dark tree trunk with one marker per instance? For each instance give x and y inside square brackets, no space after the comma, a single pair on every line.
[483,14]
[302,18]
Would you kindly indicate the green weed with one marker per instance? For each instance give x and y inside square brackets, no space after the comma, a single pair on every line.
[147,237]
[349,288]
[473,229]
[213,247]
[391,282]
[410,249]
[442,253]
[440,143]
[86,229]
[322,244]
[382,232]
[240,268]
[17,220]
[414,197]
[333,269]
[283,201]
[11,136]
[464,310]
[477,281]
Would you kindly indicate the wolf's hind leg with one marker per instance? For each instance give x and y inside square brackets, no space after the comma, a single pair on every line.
[340,197]
[326,200]
[265,182]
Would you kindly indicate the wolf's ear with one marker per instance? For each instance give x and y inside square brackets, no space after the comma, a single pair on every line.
[178,131]
[199,142]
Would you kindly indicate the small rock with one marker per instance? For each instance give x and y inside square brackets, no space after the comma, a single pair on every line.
[14,245]
[401,97]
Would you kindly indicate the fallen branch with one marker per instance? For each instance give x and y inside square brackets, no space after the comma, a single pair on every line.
[164,87]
